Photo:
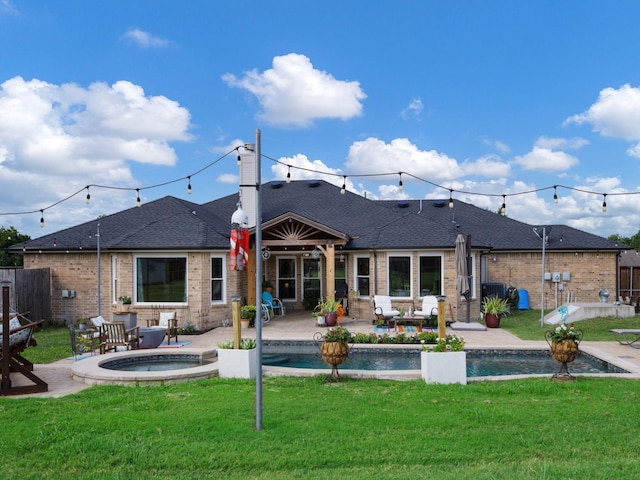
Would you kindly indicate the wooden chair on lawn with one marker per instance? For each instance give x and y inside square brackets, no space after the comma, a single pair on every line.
[114,335]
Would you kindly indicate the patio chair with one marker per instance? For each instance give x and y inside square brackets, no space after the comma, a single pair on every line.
[274,304]
[429,310]
[628,336]
[382,307]
[169,320]
[266,313]
[115,335]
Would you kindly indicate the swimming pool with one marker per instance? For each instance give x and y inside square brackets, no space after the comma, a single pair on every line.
[480,363]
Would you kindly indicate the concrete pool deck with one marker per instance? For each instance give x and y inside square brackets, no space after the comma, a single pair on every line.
[300,326]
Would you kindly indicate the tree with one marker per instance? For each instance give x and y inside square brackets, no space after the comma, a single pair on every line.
[633,241]
[8,237]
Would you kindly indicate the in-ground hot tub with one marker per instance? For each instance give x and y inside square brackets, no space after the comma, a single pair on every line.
[93,370]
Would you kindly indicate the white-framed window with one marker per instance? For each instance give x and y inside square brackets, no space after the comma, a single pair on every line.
[431,273]
[160,279]
[286,288]
[218,279]
[363,277]
[399,275]
[114,279]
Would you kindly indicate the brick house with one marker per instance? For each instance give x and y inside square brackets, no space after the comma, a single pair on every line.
[316,242]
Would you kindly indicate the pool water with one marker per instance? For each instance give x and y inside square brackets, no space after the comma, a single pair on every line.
[154,363]
[480,363]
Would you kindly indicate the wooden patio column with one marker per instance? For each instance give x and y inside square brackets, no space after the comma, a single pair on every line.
[330,277]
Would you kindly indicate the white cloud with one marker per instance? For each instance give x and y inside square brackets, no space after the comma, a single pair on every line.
[501,147]
[546,160]
[616,113]
[490,166]
[55,139]
[6,6]
[293,93]
[561,143]
[228,178]
[144,39]
[413,110]
[374,155]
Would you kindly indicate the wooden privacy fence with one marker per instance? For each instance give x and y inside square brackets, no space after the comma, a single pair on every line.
[30,291]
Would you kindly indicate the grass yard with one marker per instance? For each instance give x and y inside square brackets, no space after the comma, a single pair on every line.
[359,429]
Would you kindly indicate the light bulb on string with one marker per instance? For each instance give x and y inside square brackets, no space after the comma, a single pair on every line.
[344,185]
[138,202]
[88,200]
[239,160]
[555,195]
[451,198]
[189,190]
[41,218]
[604,202]
[400,182]
[289,174]
[503,208]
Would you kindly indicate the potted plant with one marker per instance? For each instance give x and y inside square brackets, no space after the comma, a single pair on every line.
[329,307]
[82,323]
[247,316]
[239,362]
[445,361]
[334,348]
[494,308]
[564,341]
[125,303]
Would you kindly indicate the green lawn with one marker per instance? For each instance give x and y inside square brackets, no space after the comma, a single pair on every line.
[357,429]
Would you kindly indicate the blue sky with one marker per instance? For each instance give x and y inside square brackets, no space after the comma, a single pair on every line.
[482,99]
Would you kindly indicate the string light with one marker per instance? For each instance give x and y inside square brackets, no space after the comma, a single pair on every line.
[239,160]
[604,202]
[503,209]
[344,185]
[88,196]
[375,174]
[189,190]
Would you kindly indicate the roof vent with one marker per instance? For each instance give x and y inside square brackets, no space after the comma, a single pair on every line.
[403,204]
[439,203]
[276,184]
[314,183]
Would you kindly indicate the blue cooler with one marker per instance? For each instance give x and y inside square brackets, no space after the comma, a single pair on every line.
[523,303]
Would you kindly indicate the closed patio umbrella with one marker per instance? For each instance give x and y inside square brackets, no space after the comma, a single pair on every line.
[462,270]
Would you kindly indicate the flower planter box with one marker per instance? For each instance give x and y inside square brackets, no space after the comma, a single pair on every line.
[237,363]
[444,367]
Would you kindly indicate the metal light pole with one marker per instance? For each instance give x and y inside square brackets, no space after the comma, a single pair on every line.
[544,242]
[258,250]
[98,247]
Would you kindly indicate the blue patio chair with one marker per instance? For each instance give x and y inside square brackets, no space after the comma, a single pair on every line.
[274,304]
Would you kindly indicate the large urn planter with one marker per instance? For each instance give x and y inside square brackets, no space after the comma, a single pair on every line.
[334,348]
[444,367]
[237,363]
[564,342]
[331,319]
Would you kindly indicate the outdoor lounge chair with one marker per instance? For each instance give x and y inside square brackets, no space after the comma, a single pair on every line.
[382,307]
[627,336]
[114,335]
[274,304]
[169,320]
[20,338]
